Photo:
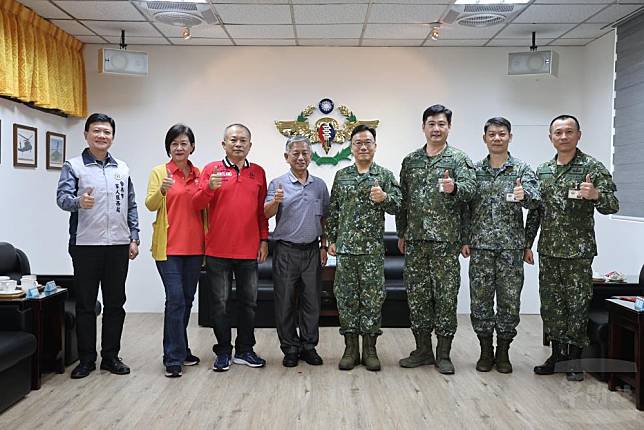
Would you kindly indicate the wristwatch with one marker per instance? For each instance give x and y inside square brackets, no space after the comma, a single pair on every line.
[137,241]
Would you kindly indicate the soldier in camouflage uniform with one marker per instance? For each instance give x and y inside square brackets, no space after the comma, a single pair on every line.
[494,237]
[360,196]
[436,180]
[573,185]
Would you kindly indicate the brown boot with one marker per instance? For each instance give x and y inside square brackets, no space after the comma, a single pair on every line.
[351,356]
[502,359]
[443,349]
[486,360]
[369,354]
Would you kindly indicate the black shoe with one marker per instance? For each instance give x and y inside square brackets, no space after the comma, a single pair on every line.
[312,357]
[191,360]
[290,359]
[83,370]
[115,366]
[173,371]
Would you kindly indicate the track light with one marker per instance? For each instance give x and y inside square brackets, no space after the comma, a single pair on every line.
[186,33]
[435,34]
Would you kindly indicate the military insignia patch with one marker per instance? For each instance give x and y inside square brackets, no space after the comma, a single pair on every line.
[326,131]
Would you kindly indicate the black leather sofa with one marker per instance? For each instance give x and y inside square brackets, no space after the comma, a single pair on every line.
[17,348]
[395,312]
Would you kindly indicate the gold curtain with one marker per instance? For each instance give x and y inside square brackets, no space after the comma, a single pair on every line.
[39,62]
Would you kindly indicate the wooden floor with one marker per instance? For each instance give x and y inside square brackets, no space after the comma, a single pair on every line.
[308,397]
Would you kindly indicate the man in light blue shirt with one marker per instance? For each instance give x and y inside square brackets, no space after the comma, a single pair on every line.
[300,202]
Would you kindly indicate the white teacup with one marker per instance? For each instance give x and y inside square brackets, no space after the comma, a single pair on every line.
[27,284]
[4,278]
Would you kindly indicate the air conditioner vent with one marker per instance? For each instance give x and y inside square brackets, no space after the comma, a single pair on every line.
[171,5]
[481,15]
[482,20]
[180,14]
[484,8]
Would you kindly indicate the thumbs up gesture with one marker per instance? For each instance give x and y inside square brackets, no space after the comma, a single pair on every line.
[87,199]
[376,193]
[279,194]
[167,183]
[587,189]
[519,194]
[215,179]
[446,184]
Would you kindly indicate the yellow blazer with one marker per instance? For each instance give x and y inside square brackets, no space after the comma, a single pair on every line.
[155,201]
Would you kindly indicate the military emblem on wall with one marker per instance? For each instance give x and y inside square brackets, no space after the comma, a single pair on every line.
[332,133]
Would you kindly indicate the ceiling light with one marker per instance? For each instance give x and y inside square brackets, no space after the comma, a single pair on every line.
[492,1]
[435,34]
[186,33]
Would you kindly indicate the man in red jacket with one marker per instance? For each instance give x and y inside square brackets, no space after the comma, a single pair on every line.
[233,190]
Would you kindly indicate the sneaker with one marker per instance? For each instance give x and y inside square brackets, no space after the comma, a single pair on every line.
[222,363]
[249,359]
[191,360]
[173,371]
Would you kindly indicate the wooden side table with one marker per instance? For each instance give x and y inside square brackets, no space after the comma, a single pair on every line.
[624,321]
[48,325]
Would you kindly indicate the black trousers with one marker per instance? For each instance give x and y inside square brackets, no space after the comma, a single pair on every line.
[107,266]
[297,289]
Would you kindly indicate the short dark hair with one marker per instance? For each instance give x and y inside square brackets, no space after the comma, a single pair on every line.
[237,125]
[499,121]
[100,117]
[565,117]
[175,131]
[436,110]
[363,127]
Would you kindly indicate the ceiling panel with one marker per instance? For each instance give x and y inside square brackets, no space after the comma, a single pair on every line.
[328,31]
[524,31]
[113,28]
[585,31]
[570,42]
[105,10]
[261,31]
[210,31]
[265,42]
[575,1]
[454,42]
[557,13]
[397,31]
[614,13]
[202,41]
[390,42]
[139,40]
[72,27]
[254,14]
[518,43]
[44,8]
[462,32]
[90,39]
[330,14]
[405,13]
[329,42]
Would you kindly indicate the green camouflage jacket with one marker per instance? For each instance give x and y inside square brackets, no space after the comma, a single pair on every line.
[489,220]
[426,213]
[567,225]
[355,223]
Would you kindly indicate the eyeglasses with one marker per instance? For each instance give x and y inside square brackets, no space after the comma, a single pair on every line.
[365,143]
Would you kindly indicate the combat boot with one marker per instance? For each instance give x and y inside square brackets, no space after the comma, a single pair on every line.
[559,353]
[369,355]
[351,356]
[574,371]
[502,357]
[443,349]
[422,355]
[486,360]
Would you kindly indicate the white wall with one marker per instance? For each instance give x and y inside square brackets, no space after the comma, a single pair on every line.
[210,87]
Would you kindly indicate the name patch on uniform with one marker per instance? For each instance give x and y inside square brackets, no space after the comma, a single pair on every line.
[574,194]
[509,197]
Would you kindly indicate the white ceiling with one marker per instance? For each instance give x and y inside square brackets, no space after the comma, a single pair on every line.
[337,23]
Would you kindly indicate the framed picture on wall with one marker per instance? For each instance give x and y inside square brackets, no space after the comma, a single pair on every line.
[56,144]
[25,146]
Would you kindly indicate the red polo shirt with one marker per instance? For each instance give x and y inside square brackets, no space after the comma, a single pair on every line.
[185,223]
[236,220]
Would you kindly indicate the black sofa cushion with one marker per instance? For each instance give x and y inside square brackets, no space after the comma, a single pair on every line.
[14,347]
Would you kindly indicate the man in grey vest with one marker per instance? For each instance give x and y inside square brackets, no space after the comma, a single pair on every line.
[97,190]
[300,201]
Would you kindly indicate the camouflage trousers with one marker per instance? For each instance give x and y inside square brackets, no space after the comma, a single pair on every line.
[359,289]
[432,277]
[500,273]
[566,289]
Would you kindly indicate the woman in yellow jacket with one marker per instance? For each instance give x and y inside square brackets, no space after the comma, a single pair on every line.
[177,243]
